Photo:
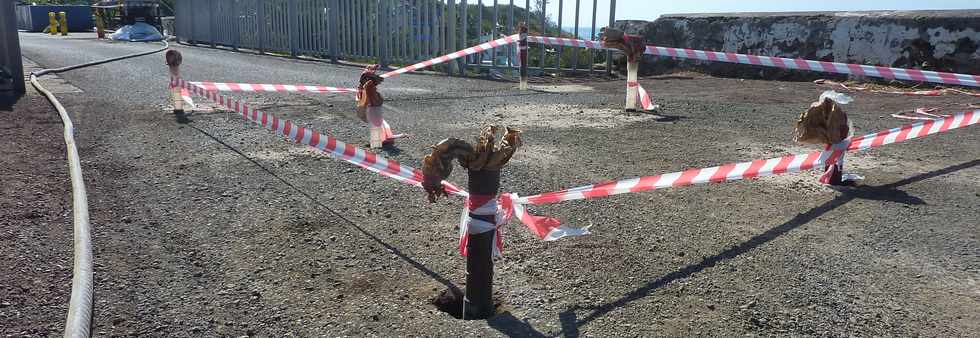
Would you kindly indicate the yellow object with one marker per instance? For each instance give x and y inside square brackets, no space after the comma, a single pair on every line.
[52,23]
[64,23]
[99,25]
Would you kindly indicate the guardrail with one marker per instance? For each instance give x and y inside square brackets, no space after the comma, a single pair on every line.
[390,31]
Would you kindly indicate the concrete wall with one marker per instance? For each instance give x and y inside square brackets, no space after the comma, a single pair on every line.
[11,65]
[932,40]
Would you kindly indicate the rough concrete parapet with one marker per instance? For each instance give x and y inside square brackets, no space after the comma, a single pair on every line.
[932,40]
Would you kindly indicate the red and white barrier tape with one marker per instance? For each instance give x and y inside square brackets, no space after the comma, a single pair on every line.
[933,92]
[927,114]
[325,143]
[454,55]
[753,169]
[250,87]
[644,97]
[567,42]
[510,204]
[186,96]
[483,205]
[787,63]
[281,88]
[378,164]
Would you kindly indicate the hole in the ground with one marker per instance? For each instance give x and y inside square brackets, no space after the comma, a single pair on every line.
[451,301]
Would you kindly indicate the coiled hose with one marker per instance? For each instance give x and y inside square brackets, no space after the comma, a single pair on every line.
[79,322]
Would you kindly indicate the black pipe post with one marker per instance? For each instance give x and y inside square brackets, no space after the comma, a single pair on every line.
[478,299]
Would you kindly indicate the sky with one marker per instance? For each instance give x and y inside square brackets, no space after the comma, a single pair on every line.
[651,9]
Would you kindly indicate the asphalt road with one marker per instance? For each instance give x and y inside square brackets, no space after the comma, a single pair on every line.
[219,228]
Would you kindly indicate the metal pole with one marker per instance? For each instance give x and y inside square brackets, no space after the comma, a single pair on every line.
[451,40]
[462,31]
[612,21]
[510,30]
[523,55]
[190,20]
[334,26]
[578,7]
[235,26]
[544,29]
[292,25]
[479,30]
[478,301]
[261,23]
[10,58]
[493,35]
[383,35]
[595,8]
[212,23]
[561,8]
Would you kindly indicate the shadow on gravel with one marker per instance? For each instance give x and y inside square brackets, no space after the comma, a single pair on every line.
[510,326]
[432,274]
[888,192]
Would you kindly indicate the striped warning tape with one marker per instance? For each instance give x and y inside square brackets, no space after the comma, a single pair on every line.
[455,55]
[512,205]
[645,99]
[787,63]
[925,114]
[250,87]
[325,143]
[759,168]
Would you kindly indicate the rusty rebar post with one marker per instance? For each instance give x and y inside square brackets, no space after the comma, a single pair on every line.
[483,163]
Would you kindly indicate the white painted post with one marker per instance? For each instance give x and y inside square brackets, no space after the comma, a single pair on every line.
[174,60]
[632,71]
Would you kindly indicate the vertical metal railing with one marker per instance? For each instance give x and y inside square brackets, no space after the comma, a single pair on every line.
[391,31]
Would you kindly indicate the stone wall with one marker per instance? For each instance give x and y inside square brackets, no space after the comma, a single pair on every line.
[932,40]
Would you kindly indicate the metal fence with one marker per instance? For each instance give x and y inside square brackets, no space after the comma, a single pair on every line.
[388,31]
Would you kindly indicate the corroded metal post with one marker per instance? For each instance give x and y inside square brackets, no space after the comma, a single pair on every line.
[825,123]
[479,229]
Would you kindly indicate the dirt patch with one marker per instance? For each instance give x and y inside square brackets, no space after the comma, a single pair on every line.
[569,116]
[35,218]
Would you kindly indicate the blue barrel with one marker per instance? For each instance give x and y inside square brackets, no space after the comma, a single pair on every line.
[35,18]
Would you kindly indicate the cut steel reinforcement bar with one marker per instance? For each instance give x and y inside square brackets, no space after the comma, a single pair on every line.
[455,55]
[325,143]
[787,63]
[758,168]
[251,87]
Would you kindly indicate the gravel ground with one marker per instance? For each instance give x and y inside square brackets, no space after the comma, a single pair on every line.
[218,228]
